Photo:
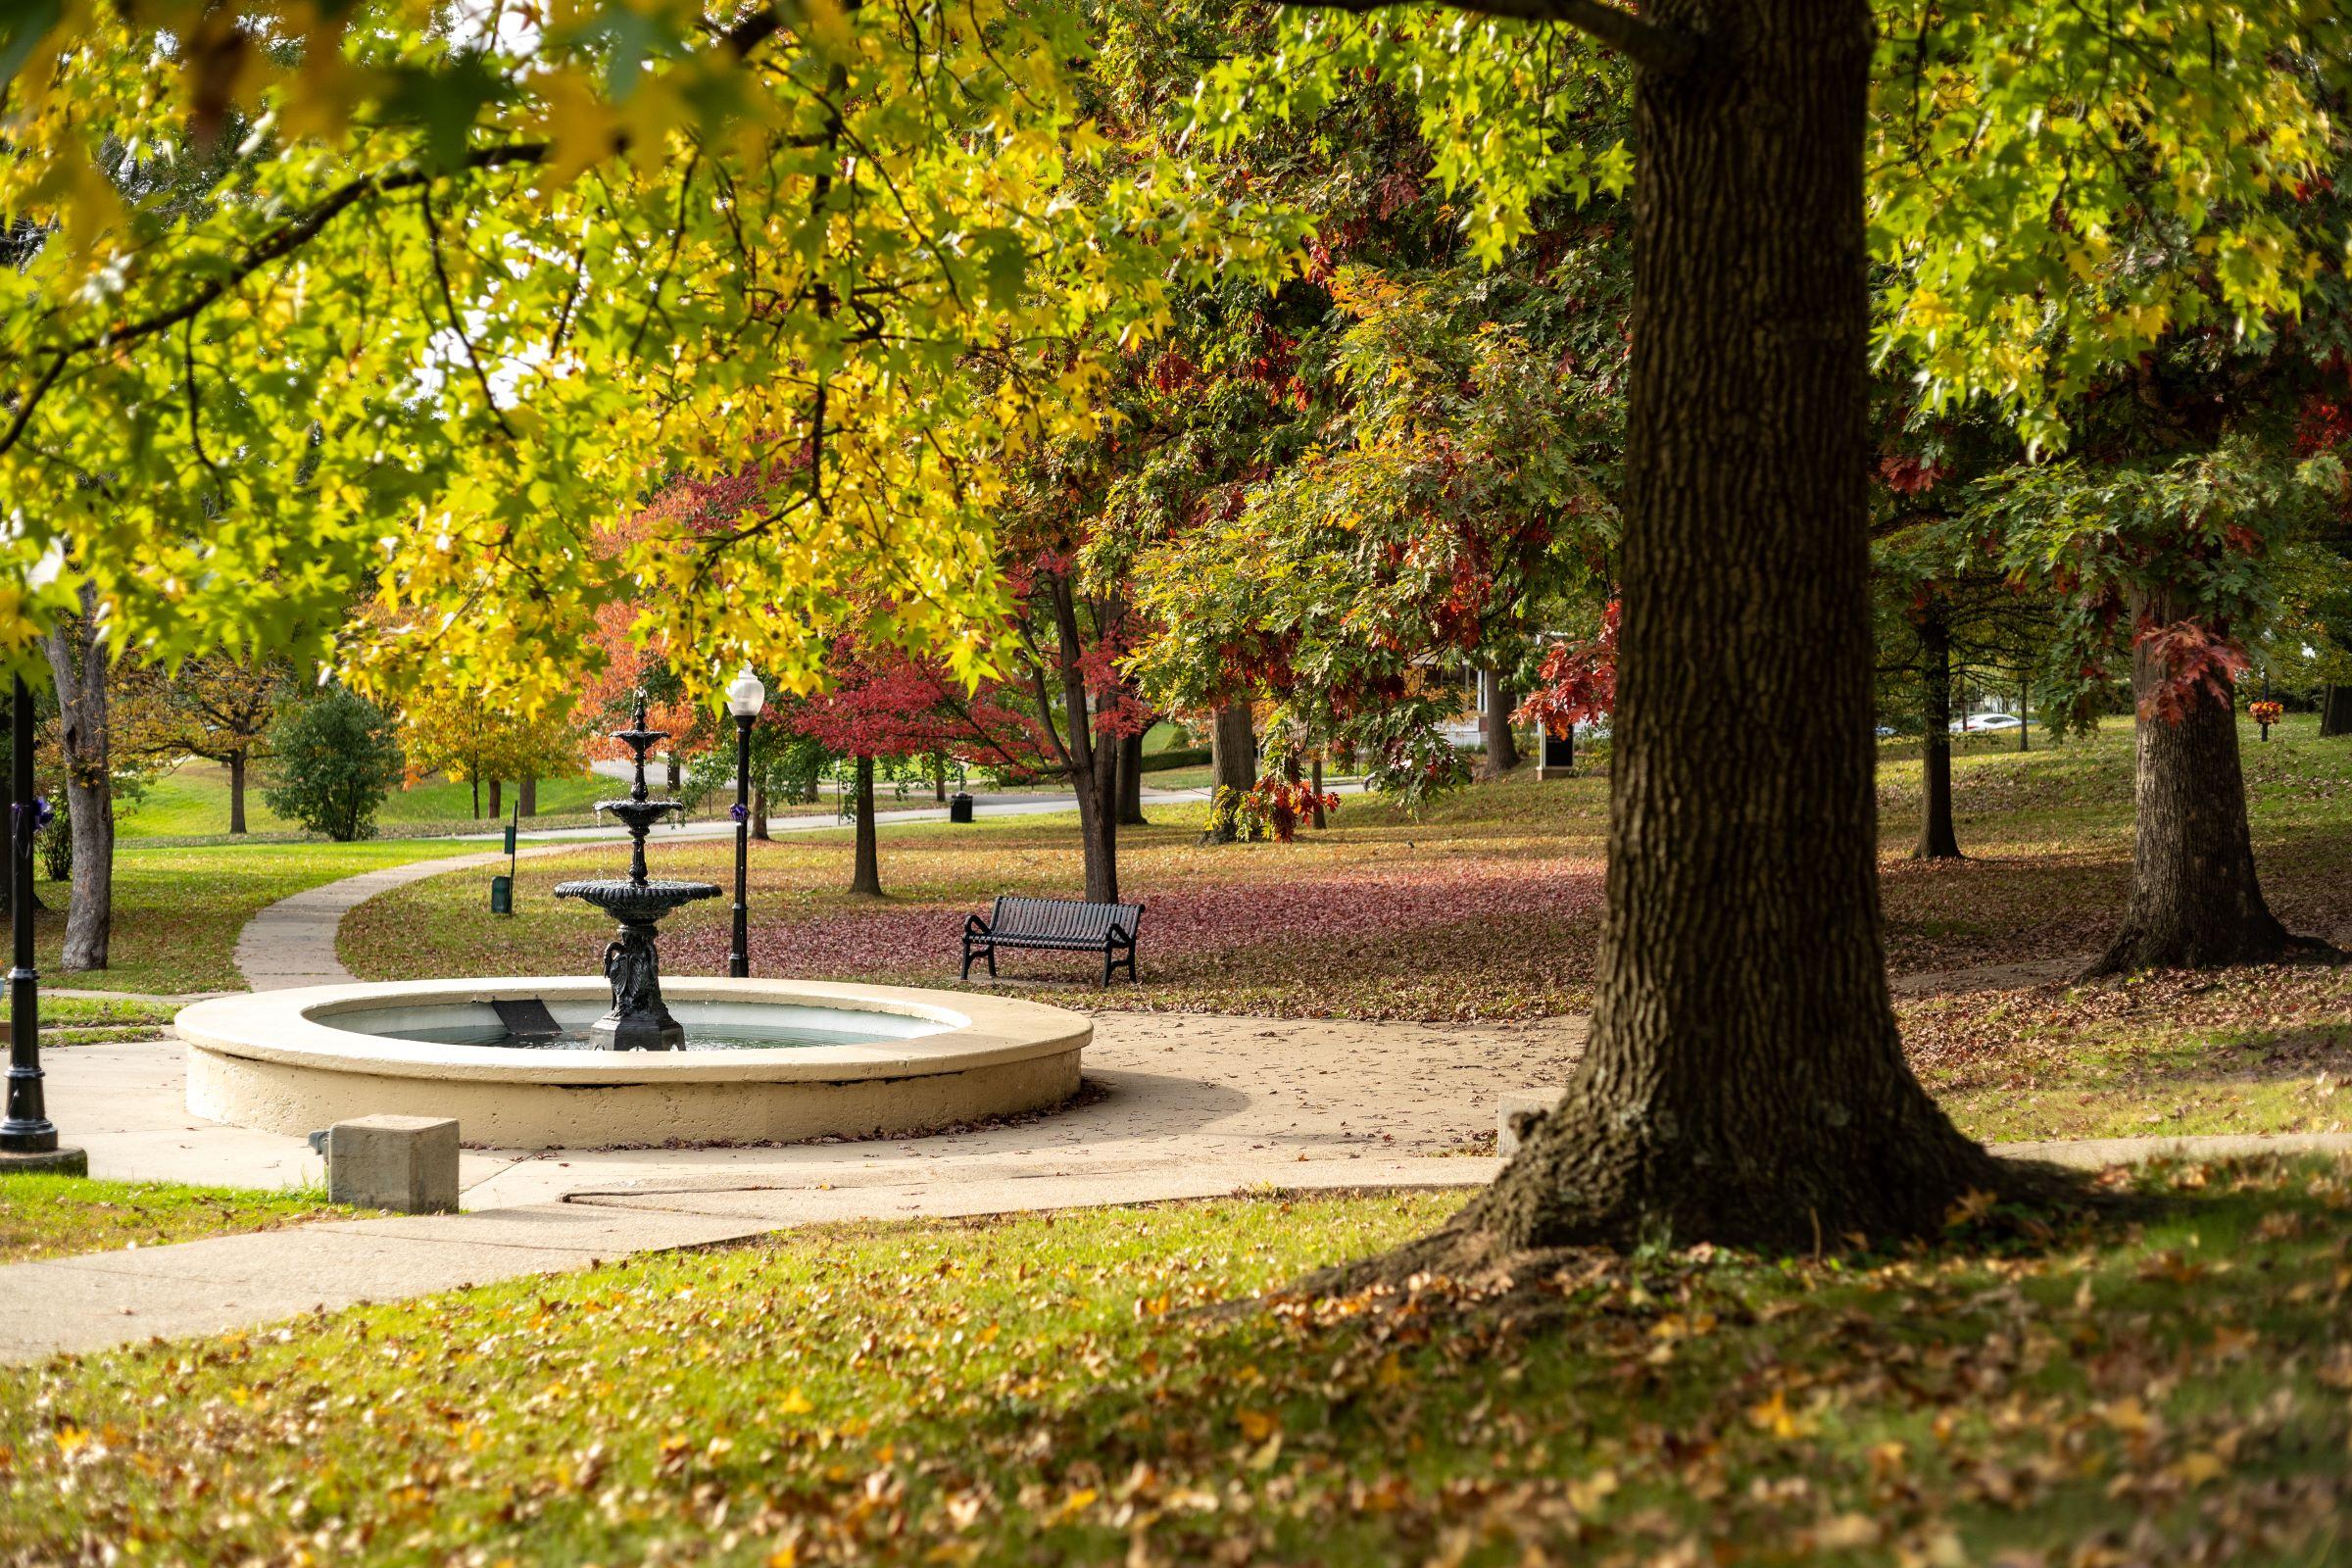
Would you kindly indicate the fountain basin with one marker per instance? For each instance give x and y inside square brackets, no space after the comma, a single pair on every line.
[292,1061]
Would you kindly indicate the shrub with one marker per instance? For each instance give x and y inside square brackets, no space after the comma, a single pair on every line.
[336,758]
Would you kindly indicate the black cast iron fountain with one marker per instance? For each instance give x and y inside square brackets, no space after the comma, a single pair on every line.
[638,1021]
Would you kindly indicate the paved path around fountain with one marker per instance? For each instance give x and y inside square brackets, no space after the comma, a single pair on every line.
[1177,1106]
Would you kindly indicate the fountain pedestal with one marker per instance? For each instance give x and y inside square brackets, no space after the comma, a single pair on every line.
[639,1019]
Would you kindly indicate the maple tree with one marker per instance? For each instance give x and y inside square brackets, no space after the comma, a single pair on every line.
[752,179]
[1577,682]
[1757,128]
[472,285]
[879,702]
[466,740]
[213,707]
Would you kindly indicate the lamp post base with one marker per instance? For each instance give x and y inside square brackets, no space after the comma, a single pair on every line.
[47,1162]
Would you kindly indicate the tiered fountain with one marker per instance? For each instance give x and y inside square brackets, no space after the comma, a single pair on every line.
[638,1021]
[523,1061]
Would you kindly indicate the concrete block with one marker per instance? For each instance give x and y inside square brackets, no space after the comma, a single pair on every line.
[406,1164]
[1517,1103]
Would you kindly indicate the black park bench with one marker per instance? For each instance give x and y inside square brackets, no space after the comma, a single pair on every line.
[1067,925]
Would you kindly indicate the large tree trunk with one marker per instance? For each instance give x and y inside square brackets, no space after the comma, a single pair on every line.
[1937,839]
[78,659]
[497,811]
[526,793]
[1315,783]
[236,792]
[1131,782]
[1232,755]
[1503,748]
[2195,900]
[865,875]
[2335,711]
[1744,1082]
[759,813]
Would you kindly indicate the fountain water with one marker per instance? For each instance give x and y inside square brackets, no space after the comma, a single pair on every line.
[638,1020]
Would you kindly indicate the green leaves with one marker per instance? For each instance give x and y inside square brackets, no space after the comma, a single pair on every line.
[2055,187]
[456,301]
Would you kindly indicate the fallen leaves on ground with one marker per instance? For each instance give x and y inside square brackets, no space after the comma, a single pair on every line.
[2173,1386]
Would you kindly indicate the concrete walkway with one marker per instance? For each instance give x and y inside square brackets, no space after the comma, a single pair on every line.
[1176,1107]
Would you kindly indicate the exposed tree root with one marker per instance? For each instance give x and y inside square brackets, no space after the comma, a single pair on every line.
[1472,1261]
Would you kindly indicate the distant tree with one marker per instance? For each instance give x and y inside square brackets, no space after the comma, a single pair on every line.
[1577,682]
[337,756]
[882,703]
[472,740]
[213,707]
[785,765]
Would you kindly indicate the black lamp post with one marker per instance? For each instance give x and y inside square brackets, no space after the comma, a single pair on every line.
[746,697]
[28,1138]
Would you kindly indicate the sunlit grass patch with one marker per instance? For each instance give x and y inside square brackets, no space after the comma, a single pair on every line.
[2258,1050]
[59,1216]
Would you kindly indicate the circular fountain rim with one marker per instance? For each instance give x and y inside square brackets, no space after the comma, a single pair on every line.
[290,1027]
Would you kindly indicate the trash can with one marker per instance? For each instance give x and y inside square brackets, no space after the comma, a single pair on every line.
[502,895]
[959,807]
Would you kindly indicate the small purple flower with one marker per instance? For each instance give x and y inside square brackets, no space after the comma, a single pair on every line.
[740,813]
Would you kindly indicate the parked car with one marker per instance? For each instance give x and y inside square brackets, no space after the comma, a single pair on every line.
[1985,724]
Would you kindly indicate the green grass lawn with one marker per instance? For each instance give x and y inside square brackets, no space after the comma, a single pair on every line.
[192,802]
[94,1021]
[58,1217]
[178,907]
[2167,1387]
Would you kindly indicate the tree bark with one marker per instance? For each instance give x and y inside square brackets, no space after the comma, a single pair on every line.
[2196,900]
[676,772]
[759,813]
[77,660]
[1232,756]
[865,875]
[1131,782]
[236,792]
[1937,841]
[497,812]
[476,782]
[2335,711]
[1502,747]
[526,793]
[1744,1082]
[1315,783]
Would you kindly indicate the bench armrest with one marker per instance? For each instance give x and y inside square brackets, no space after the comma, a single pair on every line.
[1118,935]
[975,926]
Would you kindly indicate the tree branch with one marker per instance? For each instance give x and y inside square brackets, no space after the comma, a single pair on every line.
[1664,50]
